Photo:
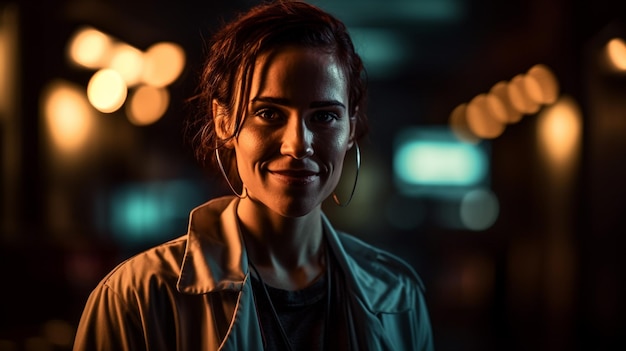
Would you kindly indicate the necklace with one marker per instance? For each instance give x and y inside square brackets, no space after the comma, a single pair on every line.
[281,329]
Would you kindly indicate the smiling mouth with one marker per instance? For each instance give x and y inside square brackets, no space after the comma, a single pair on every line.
[296,177]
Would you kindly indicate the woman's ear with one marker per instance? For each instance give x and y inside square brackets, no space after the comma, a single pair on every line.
[221,120]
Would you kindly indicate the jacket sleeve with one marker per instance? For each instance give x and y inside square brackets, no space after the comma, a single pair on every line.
[108,324]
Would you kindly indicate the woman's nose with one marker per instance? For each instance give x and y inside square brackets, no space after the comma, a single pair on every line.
[297,140]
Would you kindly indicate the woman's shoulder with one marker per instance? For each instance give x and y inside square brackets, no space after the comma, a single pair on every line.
[159,265]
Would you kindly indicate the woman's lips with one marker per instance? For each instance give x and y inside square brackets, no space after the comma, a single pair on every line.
[295,177]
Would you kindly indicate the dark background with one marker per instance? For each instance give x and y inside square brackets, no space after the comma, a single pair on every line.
[547,275]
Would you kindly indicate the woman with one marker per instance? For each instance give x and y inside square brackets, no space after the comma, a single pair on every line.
[281,103]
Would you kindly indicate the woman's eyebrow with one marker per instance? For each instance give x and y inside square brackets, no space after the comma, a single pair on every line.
[287,102]
[327,104]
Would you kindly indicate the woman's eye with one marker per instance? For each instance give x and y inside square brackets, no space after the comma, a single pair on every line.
[267,114]
[325,116]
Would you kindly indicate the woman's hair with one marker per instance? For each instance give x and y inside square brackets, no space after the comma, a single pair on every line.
[227,73]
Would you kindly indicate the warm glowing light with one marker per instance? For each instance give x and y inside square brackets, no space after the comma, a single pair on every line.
[4,73]
[128,62]
[106,90]
[4,69]
[147,105]
[616,51]
[519,96]
[458,124]
[68,116]
[8,58]
[481,120]
[560,129]
[495,107]
[164,62]
[511,114]
[532,88]
[90,48]
[541,84]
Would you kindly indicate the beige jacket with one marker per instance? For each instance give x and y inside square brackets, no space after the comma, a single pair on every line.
[194,293]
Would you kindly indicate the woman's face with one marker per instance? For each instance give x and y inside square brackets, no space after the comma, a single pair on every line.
[297,130]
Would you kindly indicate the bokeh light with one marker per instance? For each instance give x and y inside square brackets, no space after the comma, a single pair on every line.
[121,67]
[532,88]
[559,130]
[383,51]
[496,107]
[128,62]
[488,114]
[90,48]
[481,119]
[616,51]
[3,70]
[107,90]
[479,209]
[8,59]
[458,124]
[444,163]
[541,84]
[147,105]
[164,62]
[68,116]
[501,91]
[520,98]
[149,211]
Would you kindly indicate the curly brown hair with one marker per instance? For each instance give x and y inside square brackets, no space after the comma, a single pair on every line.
[231,58]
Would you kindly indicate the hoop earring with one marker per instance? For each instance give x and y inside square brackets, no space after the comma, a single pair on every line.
[244,193]
[356,178]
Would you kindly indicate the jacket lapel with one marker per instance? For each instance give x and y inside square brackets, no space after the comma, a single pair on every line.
[215,263]
[214,258]
[244,332]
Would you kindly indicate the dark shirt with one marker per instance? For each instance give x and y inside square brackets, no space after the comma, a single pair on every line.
[302,314]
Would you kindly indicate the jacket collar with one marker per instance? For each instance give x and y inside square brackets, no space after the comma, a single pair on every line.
[215,260]
[214,257]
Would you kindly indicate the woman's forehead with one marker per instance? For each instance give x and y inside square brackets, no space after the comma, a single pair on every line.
[294,71]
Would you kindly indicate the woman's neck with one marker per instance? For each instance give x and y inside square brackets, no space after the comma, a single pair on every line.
[288,252]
